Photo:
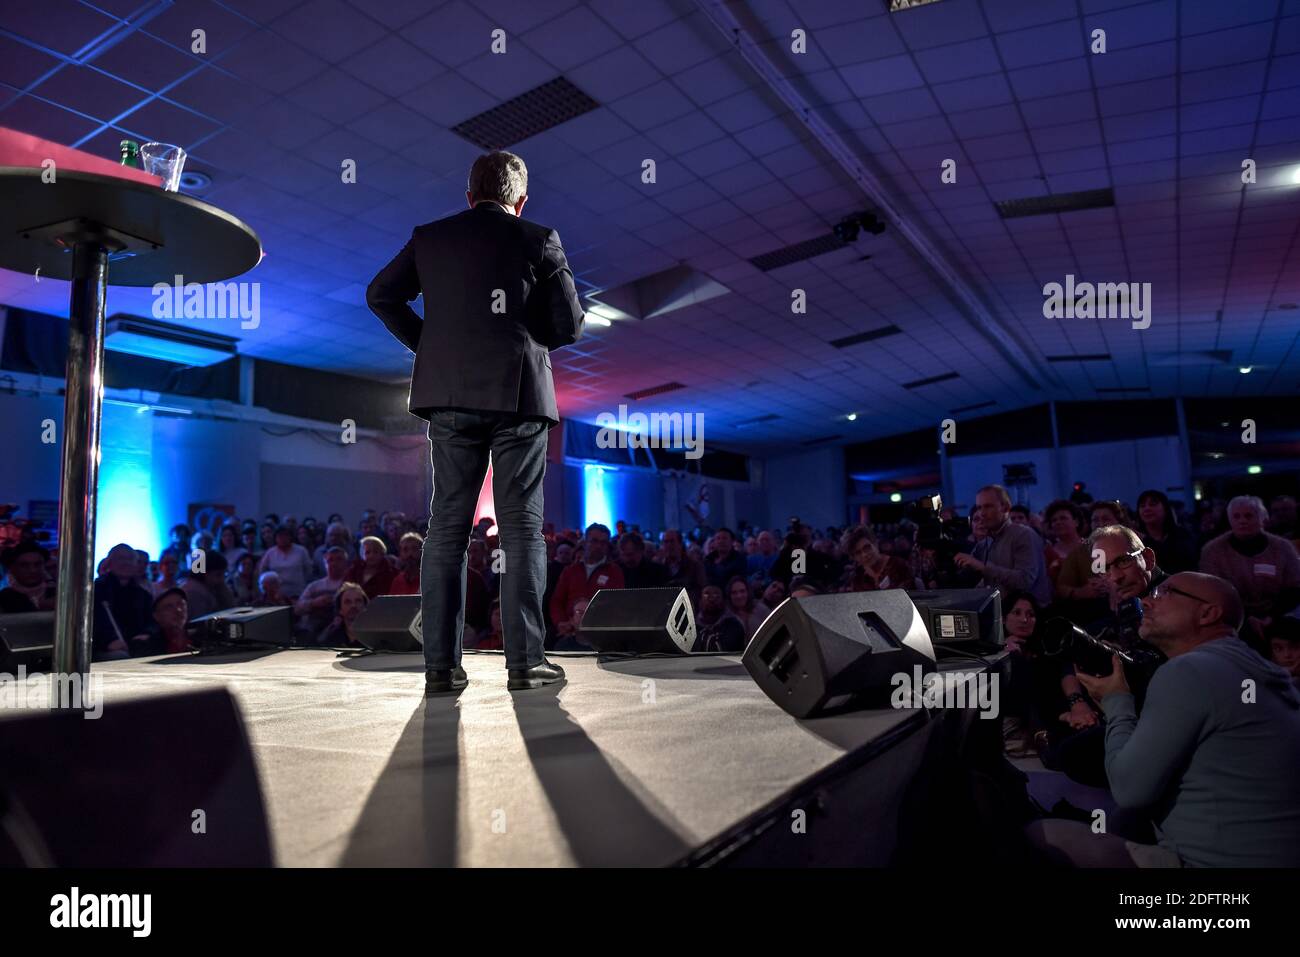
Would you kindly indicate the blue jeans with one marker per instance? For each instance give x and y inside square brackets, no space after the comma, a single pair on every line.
[460,443]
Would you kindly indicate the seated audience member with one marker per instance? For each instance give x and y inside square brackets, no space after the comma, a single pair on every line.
[476,560]
[270,591]
[716,629]
[410,548]
[372,570]
[872,571]
[349,602]
[802,587]
[337,535]
[1219,769]
[179,542]
[1108,513]
[638,572]
[314,608]
[683,570]
[1264,568]
[229,544]
[26,588]
[1010,557]
[142,568]
[1175,547]
[1021,515]
[289,561]
[773,594]
[243,580]
[207,591]
[722,562]
[491,639]
[567,638]
[761,560]
[166,634]
[248,538]
[1044,700]
[584,578]
[169,568]
[1066,527]
[1282,519]
[748,610]
[798,559]
[122,607]
[1284,645]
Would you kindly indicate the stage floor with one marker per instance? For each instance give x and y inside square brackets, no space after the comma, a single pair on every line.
[628,762]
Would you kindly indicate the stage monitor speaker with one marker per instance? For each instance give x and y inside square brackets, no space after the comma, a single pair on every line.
[164,781]
[962,616]
[244,626]
[26,638]
[390,623]
[639,621]
[828,652]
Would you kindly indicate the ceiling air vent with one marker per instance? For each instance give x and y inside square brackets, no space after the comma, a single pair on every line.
[539,109]
[654,390]
[1058,203]
[871,336]
[798,252]
[973,408]
[931,381]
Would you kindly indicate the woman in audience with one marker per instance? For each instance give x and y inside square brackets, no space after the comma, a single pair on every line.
[290,561]
[267,539]
[231,549]
[743,605]
[1264,568]
[168,574]
[872,570]
[1174,546]
[372,571]
[248,538]
[349,602]
[1106,513]
[243,583]
[271,592]
[1067,556]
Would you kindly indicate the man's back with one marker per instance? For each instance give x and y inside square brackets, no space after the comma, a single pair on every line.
[498,295]
[1217,753]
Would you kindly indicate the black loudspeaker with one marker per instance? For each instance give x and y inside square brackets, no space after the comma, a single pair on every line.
[26,638]
[822,652]
[244,626]
[640,621]
[390,623]
[165,781]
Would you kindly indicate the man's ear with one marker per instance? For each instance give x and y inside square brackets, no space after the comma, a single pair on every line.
[519,206]
[1149,558]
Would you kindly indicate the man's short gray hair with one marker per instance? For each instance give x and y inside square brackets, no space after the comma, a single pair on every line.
[500,177]
[1135,543]
[1253,501]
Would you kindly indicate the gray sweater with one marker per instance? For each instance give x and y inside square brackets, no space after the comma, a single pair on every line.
[1220,775]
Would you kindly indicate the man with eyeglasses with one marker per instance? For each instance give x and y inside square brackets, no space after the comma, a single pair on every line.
[1215,754]
[1127,569]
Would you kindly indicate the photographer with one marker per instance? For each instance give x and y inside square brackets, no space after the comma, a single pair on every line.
[1215,754]
[798,558]
[1011,556]
[1131,573]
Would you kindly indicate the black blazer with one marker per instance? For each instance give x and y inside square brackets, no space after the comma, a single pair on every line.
[468,356]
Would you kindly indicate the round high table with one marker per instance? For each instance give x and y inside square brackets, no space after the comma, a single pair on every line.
[77,228]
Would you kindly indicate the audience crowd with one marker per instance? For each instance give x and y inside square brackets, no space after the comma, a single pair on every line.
[1232,565]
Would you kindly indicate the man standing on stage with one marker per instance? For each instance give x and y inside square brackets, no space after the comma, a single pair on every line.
[498,296]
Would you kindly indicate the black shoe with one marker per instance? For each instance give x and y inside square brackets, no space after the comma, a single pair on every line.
[521,679]
[436,682]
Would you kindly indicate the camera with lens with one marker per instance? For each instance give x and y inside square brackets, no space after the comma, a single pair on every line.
[1091,654]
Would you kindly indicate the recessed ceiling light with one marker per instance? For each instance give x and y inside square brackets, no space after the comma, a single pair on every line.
[895,496]
[852,417]
[1253,470]
[1246,370]
[1295,175]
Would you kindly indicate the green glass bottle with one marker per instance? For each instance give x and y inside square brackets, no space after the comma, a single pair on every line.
[130,154]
